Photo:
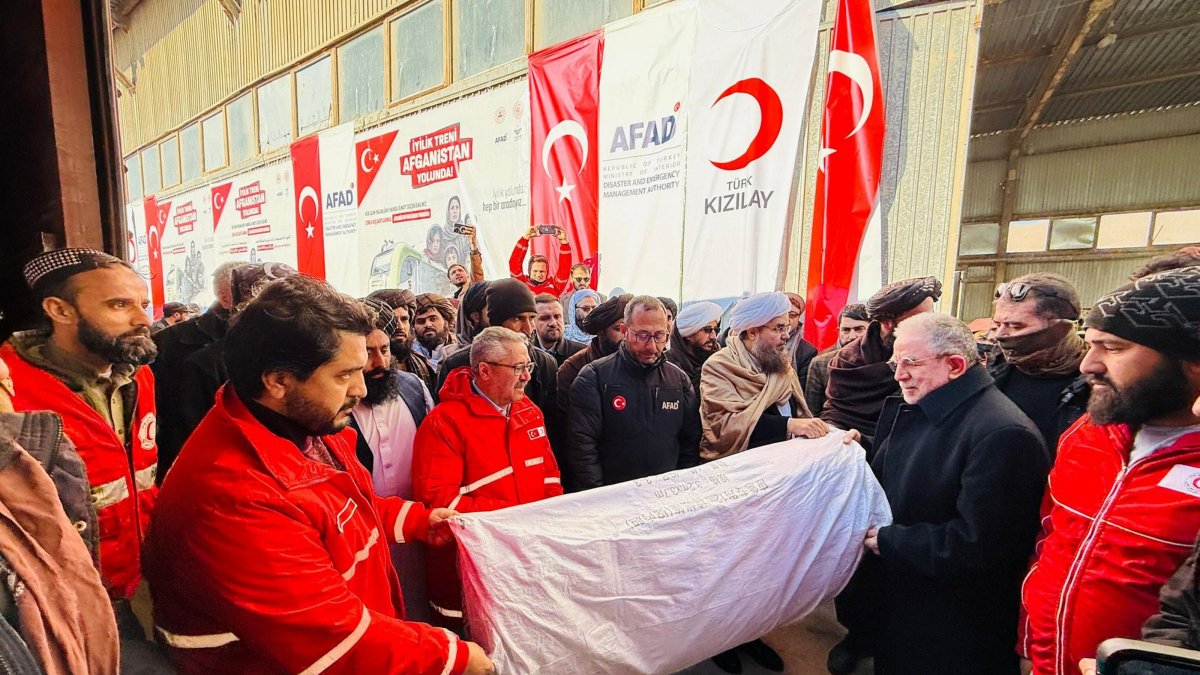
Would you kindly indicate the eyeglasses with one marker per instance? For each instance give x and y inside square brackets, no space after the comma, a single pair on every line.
[794,315]
[779,328]
[645,336]
[517,368]
[581,279]
[708,330]
[909,362]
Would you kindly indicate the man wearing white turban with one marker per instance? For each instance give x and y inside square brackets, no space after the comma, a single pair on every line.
[694,338]
[750,396]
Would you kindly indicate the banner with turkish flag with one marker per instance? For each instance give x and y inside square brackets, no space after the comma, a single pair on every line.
[746,105]
[252,216]
[564,108]
[180,244]
[846,250]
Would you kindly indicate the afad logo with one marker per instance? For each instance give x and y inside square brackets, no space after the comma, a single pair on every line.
[643,135]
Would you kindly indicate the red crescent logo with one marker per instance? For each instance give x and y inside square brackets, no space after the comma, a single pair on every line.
[1196,483]
[618,403]
[768,129]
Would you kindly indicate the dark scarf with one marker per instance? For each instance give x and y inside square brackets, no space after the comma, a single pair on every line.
[859,382]
[1055,350]
[689,359]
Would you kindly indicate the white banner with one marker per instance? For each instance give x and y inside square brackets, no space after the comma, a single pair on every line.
[643,137]
[252,216]
[136,251]
[654,575]
[188,247]
[750,77]
[423,177]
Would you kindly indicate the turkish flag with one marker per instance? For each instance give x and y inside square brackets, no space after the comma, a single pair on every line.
[156,218]
[850,159]
[564,102]
[220,196]
[310,217]
[370,154]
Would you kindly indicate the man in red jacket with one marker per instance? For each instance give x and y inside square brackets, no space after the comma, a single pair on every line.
[89,367]
[538,280]
[484,447]
[1123,505]
[268,552]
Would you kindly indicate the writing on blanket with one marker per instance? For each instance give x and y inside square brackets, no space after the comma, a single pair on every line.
[678,508]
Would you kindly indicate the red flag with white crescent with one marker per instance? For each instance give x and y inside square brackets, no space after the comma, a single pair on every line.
[220,197]
[310,217]
[850,160]
[156,218]
[564,102]
[370,154]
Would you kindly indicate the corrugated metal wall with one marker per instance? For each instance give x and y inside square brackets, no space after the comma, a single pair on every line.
[928,58]
[212,57]
[1146,161]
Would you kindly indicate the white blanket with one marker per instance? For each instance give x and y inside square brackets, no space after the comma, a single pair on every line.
[655,575]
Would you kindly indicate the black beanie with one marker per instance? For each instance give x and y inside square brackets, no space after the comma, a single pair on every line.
[1161,311]
[507,298]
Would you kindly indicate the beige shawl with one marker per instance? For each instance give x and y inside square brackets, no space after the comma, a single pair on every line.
[734,393]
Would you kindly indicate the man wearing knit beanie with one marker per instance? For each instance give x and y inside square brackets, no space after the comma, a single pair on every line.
[1124,502]
[509,303]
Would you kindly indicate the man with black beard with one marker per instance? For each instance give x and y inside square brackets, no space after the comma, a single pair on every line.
[386,420]
[1038,364]
[89,367]
[432,325]
[404,306]
[1121,510]
[604,323]
[694,339]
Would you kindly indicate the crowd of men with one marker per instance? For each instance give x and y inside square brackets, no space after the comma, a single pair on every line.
[247,466]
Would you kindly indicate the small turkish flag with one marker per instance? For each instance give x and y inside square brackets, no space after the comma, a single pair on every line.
[220,197]
[370,154]
[848,172]
[310,218]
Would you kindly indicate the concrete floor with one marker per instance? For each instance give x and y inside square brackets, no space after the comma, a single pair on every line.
[802,645]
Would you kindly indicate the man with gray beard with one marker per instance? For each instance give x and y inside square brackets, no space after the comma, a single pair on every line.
[89,367]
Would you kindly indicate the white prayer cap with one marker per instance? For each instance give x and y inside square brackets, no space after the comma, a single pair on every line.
[696,316]
[757,310]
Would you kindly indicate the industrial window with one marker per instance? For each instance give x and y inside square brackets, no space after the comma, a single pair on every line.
[1027,236]
[275,113]
[1072,233]
[1176,227]
[314,96]
[241,128]
[150,171]
[978,238]
[168,152]
[214,140]
[189,152]
[1124,230]
[361,77]
[133,178]
[564,19]
[487,33]
[418,53]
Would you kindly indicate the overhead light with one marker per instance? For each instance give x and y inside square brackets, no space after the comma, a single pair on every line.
[1107,41]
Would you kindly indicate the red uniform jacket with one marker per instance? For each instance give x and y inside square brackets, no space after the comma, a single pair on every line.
[1113,534]
[121,474]
[555,285]
[470,457]
[261,560]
